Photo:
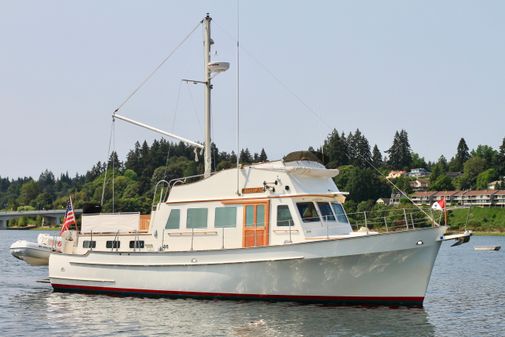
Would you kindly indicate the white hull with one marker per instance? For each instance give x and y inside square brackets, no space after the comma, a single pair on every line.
[31,253]
[392,268]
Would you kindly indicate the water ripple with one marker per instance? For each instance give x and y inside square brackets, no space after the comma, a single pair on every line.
[465,298]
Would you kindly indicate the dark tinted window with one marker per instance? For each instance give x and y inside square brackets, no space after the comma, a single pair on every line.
[113,244]
[326,212]
[284,216]
[339,212]
[307,211]
[88,244]
[137,244]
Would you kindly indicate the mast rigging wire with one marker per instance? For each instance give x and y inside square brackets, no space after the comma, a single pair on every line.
[151,74]
[312,111]
[107,161]
[238,97]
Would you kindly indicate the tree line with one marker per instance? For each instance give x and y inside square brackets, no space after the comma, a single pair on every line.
[362,172]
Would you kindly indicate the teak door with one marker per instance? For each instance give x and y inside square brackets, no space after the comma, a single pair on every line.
[256,221]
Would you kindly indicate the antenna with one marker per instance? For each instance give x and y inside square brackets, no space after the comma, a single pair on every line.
[238,97]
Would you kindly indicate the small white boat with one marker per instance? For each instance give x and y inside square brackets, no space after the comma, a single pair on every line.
[36,253]
[488,248]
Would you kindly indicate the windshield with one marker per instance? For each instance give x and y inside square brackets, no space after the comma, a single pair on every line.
[307,211]
[326,212]
[339,212]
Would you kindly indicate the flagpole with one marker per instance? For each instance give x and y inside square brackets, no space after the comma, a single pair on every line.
[445,211]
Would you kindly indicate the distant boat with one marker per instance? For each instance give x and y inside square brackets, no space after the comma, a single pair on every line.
[489,248]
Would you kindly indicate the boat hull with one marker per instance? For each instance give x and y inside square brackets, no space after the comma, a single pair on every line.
[30,252]
[390,269]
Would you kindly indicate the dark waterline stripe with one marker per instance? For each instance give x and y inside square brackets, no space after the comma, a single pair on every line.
[342,300]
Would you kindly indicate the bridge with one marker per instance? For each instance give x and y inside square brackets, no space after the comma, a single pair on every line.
[52,216]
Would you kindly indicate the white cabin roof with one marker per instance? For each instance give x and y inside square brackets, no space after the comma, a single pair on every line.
[282,179]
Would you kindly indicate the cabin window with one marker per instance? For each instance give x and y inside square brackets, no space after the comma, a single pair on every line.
[260,215]
[113,244]
[196,218]
[339,212]
[89,244]
[226,217]
[326,212]
[137,244]
[249,215]
[173,219]
[284,216]
[307,211]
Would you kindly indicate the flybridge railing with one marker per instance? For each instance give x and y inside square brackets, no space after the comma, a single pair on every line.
[393,219]
[166,186]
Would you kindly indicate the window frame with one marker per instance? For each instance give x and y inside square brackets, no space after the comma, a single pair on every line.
[137,244]
[218,210]
[89,244]
[290,222]
[312,219]
[189,211]
[174,211]
[111,244]
[344,214]
[330,207]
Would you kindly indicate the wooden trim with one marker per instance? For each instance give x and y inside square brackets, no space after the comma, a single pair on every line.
[238,201]
[255,201]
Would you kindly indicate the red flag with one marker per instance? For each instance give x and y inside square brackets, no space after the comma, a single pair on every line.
[69,217]
[439,205]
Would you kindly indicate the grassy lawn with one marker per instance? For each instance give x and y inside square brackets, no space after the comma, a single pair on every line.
[490,219]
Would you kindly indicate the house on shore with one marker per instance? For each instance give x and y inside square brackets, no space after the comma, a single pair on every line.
[479,198]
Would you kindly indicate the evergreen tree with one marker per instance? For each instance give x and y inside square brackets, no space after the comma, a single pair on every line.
[263,156]
[47,182]
[245,156]
[335,150]
[358,150]
[400,156]
[133,160]
[462,155]
[233,158]
[500,160]
[114,162]
[377,157]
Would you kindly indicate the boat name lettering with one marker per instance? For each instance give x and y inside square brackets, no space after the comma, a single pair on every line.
[248,190]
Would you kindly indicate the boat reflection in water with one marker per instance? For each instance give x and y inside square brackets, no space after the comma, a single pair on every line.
[229,318]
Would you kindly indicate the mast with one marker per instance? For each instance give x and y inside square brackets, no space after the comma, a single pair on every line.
[208,87]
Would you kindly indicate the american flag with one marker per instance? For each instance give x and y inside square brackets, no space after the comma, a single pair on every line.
[69,217]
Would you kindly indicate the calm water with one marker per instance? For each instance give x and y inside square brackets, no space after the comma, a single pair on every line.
[466,297]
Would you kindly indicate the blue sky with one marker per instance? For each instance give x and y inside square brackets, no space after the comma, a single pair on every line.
[434,68]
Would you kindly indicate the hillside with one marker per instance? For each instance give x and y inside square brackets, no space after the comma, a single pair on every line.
[479,219]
